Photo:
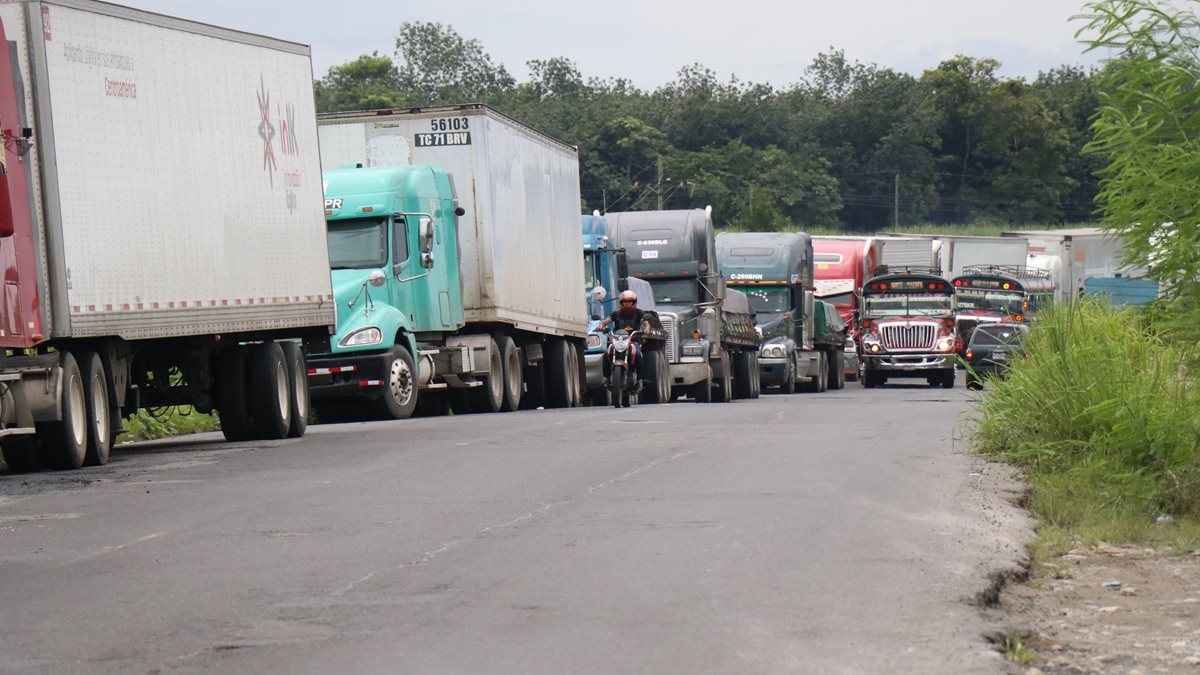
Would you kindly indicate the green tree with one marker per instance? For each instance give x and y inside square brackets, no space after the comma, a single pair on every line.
[369,82]
[439,67]
[1148,129]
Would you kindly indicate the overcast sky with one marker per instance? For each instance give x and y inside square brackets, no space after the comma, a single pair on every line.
[647,41]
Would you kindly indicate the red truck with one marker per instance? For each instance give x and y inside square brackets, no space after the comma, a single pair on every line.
[841,265]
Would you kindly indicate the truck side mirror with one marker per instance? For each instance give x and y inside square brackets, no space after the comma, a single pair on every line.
[721,288]
[425,241]
[622,264]
[622,284]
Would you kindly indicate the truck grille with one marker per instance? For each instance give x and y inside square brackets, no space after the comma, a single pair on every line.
[900,336]
[668,323]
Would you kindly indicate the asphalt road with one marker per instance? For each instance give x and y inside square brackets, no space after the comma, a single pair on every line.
[823,533]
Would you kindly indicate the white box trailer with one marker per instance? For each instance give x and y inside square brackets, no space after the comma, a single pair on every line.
[520,256]
[163,180]
[909,251]
[1072,256]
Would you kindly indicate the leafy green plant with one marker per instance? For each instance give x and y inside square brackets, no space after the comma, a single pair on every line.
[1016,649]
[177,421]
[1102,417]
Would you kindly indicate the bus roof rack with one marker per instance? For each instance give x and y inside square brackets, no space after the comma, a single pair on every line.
[880,270]
[1015,271]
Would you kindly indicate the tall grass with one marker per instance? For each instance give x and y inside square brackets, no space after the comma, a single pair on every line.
[1105,419]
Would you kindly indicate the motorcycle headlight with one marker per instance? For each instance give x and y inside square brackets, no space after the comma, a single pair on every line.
[620,345]
[594,340]
[363,336]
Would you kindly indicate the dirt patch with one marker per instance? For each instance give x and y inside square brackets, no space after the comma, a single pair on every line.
[1110,610]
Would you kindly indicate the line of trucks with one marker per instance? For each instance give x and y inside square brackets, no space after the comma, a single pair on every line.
[147,265]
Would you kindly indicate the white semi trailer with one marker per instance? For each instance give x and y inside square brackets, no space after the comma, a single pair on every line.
[159,228]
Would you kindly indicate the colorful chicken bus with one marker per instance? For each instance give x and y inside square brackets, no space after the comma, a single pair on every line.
[908,328]
[992,293]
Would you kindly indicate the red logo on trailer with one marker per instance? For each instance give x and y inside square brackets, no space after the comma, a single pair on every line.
[46,22]
[266,130]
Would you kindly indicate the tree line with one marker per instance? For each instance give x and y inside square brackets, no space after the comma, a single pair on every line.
[959,144]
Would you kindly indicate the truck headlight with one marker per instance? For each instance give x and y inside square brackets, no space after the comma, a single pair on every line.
[774,351]
[594,341]
[946,344]
[363,336]
[692,349]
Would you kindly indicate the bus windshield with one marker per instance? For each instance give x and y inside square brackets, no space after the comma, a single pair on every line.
[991,302]
[899,304]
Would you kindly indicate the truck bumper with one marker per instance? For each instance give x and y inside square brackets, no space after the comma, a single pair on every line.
[772,372]
[684,374]
[340,375]
[909,365]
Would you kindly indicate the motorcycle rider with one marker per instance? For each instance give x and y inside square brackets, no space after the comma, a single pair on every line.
[628,318]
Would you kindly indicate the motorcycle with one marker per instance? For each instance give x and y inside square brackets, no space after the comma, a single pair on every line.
[622,382]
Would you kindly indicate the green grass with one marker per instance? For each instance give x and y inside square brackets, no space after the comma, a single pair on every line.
[177,421]
[1103,418]
[1017,651]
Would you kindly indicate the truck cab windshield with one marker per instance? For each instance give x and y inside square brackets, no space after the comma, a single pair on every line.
[766,300]
[359,243]
[676,291]
[908,305]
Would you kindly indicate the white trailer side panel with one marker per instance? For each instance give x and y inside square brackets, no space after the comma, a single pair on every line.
[521,260]
[181,175]
[980,251]
[901,252]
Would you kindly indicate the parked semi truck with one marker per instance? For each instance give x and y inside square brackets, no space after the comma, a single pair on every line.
[711,342]
[159,228]
[454,240]
[606,274]
[802,338]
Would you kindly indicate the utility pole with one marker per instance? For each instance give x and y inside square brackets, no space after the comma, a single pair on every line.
[896,205]
[658,188]
[604,199]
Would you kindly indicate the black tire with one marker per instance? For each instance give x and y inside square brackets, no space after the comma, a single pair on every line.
[948,379]
[822,372]
[837,370]
[297,365]
[742,386]
[558,373]
[99,413]
[21,454]
[578,374]
[490,396]
[789,377]
[973,382]
[657,388]
[271,402]
[755,376]
[233,403]
[514,374]
[868,379]
[400,389]
[66,440]
[616,386]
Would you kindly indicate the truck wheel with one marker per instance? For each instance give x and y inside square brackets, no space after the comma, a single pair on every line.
[514,376]
[99,414]
[652,362]
[21,454]
[559,374]
[724,381]
[789,377]
[578,377]
[271,403]
[837,371]
[489,397]
[616,387]
[66,440]
[400,395]
[948,379]
[868,379]
[822,373]
[233,405]
[755,376]
[297,365]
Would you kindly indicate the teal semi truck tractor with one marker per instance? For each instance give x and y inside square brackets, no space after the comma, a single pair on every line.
[454,240]
[803,338]
[711,342]
[606,274]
